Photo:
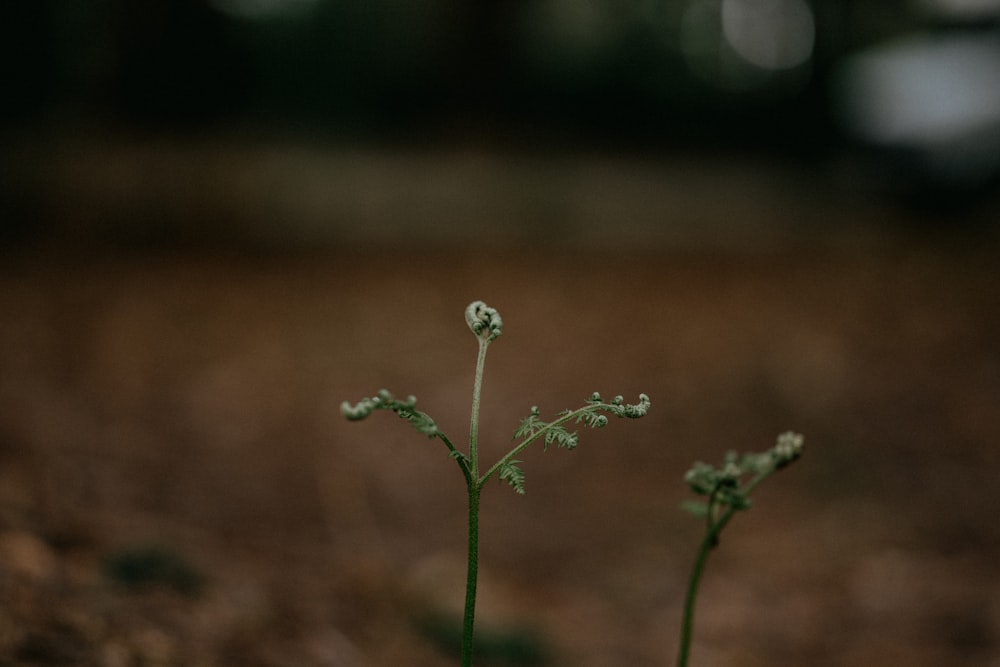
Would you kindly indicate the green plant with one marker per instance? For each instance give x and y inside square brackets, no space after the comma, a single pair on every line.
[486,324]
[728,488]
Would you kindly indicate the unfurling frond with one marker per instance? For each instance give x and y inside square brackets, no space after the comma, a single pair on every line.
[593,414]
[730,484]
[384,400]
[483,319]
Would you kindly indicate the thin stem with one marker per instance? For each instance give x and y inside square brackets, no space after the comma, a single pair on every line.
[475,488]
[477,388]
[472,575]
[460,458]
[755,482]
[710,541]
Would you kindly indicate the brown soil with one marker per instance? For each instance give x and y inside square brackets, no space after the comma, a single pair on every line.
[187,405]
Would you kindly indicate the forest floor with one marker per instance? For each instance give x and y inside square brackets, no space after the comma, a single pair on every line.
[178,487]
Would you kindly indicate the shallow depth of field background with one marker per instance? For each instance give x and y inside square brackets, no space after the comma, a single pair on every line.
[219,219]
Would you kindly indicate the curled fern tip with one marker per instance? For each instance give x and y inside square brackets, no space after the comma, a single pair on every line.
[355,412]
[788,448]
[481,318]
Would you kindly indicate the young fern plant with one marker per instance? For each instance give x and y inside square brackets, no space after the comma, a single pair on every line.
[486,324]
[728,489]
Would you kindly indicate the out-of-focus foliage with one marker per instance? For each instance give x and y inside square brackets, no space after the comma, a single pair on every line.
[635,69]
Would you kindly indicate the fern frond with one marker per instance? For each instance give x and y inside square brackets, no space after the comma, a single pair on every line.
[406,409]
[560,436]
[513,475]
[529,425]
[483,320]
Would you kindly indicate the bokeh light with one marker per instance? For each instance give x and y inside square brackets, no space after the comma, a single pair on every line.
[772,34]
[748,44]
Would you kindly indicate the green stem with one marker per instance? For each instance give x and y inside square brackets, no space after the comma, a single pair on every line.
[707,544]
[472,575]
[477,389]
[755,482]
[711,540]
[475,488]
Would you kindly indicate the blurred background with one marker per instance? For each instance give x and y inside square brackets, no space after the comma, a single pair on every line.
[221,218]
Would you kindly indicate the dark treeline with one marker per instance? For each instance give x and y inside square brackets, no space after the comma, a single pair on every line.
[560,69]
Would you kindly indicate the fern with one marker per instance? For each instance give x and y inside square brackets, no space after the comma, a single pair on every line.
[728,488]
[513,475]
[384,400]
[486,325]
